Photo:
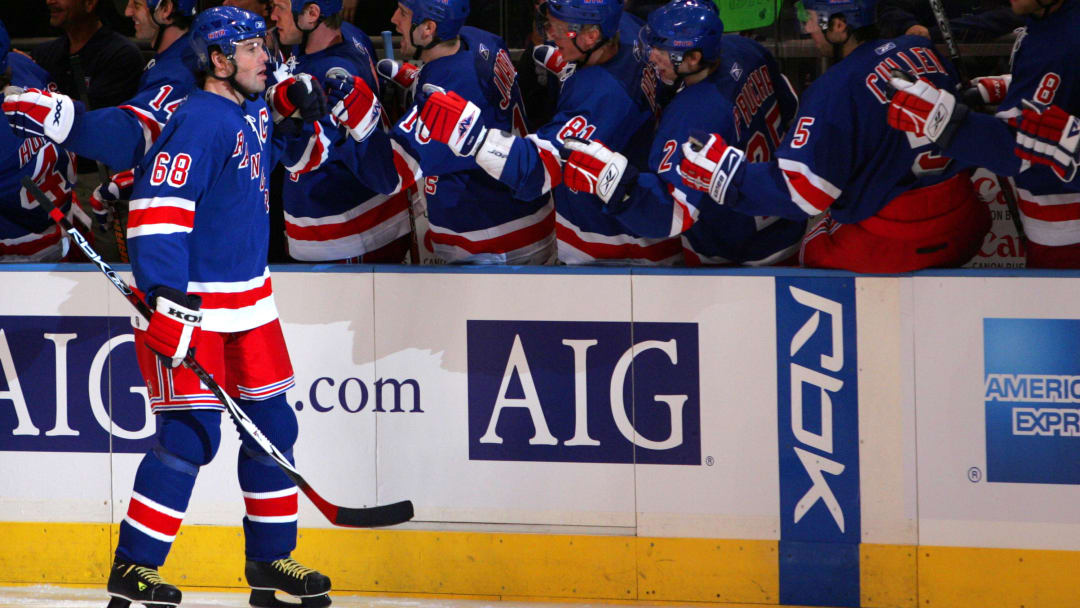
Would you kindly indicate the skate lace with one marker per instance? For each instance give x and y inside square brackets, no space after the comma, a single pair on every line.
[150,575]
[292,568]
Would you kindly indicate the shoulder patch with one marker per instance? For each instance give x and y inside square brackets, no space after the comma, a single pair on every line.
[736,70]
[484,52]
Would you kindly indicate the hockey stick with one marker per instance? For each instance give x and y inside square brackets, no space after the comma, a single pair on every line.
[414,241]
[364,517]
[954,56]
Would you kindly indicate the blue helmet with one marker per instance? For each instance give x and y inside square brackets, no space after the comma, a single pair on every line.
[449,15]
[182,7]
[681,26]
[223,27]
[5,46]
[857,13]
[327,8]
[604,13]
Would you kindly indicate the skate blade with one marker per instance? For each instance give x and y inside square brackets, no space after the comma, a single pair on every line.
[265,598]
[118,601]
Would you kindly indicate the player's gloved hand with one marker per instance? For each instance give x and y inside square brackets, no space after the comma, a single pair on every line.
[355,106]
[549,57]
[299,94]
[592,168]
[37,113]
[174,326]
[989,90]
[402,74]
[709,166]
[453,120]
[1049,137]
[102,201]
[921,108]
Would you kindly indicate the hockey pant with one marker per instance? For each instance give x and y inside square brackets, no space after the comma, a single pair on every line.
[189,433]
[943,225]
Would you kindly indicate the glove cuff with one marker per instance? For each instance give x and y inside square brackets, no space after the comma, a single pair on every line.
[494,150]
[726,168]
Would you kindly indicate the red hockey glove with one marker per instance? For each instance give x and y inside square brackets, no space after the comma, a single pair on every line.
[991,89]
[355,105]
[709,167]
[548,57]
[174,327]
[592,168]
[37,113]
[921,108]
[300,93]
[453,120]
[402,74]
[1049,137]
[103,200]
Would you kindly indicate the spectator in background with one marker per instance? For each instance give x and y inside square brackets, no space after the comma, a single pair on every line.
[969,20]
[110,64]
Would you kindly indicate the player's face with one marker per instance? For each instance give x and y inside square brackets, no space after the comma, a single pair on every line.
[62,12]
[251,57]
[402,21]
[661,62]
[282,16]
[563,35]
[140,15]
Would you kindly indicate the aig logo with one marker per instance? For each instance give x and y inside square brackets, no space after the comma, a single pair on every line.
[71,384]
[584,392]
[818,410]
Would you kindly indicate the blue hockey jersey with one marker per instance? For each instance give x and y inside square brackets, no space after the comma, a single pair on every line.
[199,213]
[333,213]
[1045,71]
[840,154]
[750,104]
[26,232]
[120,136]
[616,104]
[473,218]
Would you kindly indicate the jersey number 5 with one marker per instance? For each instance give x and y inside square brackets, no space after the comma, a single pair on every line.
[176,173]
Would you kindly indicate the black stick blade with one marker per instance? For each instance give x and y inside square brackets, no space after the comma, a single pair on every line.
[375,517]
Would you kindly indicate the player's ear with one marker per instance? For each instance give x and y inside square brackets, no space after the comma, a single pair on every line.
[692,60]
[313,11]
[166,7]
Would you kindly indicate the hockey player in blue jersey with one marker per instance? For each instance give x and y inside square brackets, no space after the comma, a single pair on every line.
[611,97]
[893,203]
[331,214]
[198,236]
[120,136]
[734,87]
[1044,73]
[473,219]
[25,232]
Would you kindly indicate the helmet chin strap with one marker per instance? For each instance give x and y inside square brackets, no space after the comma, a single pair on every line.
[231,79]
[417,49]
[586,54]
